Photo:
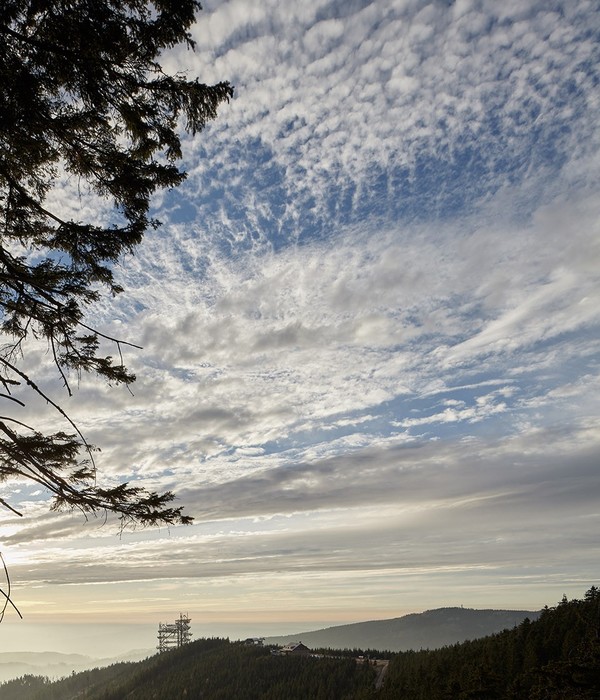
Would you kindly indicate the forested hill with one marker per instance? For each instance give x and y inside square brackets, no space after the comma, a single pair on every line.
[211,669]
[428,630]
[556,657]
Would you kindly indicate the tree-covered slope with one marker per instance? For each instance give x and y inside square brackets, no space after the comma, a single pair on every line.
[213,669]
[556,657]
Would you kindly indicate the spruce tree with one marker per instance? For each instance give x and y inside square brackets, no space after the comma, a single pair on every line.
[83,96]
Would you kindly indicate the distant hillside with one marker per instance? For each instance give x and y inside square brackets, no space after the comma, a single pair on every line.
[51,664]
[556,657]
[54,664]
[428,630]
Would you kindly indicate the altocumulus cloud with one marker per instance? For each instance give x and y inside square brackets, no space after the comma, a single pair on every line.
[370,318]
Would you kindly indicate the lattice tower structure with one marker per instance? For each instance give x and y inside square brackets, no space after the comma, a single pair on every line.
[174,634]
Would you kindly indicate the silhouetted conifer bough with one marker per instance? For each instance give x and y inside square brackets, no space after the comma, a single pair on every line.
[82,95]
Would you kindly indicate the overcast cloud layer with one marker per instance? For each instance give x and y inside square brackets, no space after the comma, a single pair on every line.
[369,326]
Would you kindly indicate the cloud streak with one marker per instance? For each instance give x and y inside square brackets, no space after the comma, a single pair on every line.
[370,320]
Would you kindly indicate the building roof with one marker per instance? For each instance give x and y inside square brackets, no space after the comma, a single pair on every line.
[294,647]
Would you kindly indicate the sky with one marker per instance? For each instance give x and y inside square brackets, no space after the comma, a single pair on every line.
[369,325]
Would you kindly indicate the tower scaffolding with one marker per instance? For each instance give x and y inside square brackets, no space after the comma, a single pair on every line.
[172,635]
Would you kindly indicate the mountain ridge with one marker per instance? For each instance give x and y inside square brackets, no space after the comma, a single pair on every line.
[54,664]
[426,630]
[429,629]
[555,657]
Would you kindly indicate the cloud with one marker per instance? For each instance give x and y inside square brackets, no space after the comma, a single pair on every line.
[370,319]
[490,507]
[300,346]
[399,109]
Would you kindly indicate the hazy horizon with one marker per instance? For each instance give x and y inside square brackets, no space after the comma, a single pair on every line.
[108,640]
[370,326]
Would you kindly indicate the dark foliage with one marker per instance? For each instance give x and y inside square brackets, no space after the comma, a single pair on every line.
[355,653]
[83,99]
[211,669]
[556,657]
[39,688]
